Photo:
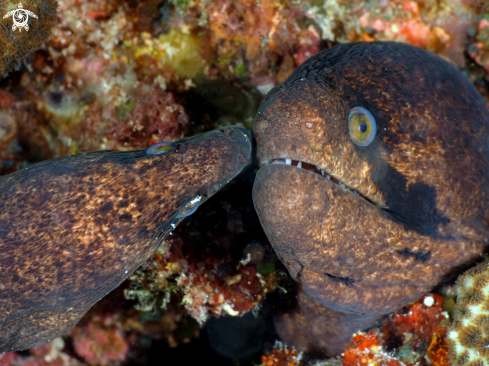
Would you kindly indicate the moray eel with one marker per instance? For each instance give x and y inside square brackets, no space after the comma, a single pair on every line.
[374,184]
[72,229]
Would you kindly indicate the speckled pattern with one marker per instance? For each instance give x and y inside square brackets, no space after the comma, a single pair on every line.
[73,228]
[424,181]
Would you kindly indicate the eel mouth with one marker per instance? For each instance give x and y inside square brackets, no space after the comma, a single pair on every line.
[315,169]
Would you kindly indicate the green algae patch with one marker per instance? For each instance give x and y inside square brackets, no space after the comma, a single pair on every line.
[184,52]
[265,268]
[177,50]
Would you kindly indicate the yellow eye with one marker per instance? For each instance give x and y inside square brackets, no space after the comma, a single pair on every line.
[362,126]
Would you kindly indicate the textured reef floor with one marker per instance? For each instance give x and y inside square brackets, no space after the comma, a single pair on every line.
[123,75]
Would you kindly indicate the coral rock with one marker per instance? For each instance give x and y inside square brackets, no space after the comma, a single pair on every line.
[479,50]
[438,350]
[468,336]
[101,341]
[365,349]
[281,355]
[49,354]
[417,321]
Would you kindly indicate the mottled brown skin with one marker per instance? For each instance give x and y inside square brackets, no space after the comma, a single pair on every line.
[72,229]
[422,213]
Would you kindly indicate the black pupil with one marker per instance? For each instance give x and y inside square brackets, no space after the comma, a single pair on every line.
[363,127]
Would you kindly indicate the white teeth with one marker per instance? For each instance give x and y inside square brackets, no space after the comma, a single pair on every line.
[299,164]
[342,185]
[288,161]
[322,172]
[328,177]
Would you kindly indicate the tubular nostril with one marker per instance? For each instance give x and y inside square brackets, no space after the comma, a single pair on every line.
[227,132]
[245,131]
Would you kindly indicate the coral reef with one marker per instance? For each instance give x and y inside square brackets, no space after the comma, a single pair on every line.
[438,351]
[365,349]
[417,322]
[21,135]
[413,335]
[469,334]
[262,40]
[101,341]
[206,269]
[479,50]
[17,43]
[281,355]
[49,354]
[439,27]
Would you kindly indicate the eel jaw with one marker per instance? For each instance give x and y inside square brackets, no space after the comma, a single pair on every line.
[315,169]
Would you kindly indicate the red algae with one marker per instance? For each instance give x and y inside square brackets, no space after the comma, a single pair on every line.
[479,49]
[438,350]
[152,114]
[261,40]
[267,32]
[413,335]
[98,85]
[100,342]
[207,284]
[417,322]
[365,349]
[203,265]
[49,354]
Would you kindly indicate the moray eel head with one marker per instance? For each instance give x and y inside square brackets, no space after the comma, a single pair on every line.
[374,178]
[72,229]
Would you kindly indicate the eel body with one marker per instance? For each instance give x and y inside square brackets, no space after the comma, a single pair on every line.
[366,225]
[72,229]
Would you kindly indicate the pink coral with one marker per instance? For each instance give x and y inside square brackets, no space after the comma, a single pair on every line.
[101,341]
[479,50]
[49,354]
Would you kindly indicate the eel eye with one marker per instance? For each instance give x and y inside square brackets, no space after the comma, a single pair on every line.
[162,147]
[362,126]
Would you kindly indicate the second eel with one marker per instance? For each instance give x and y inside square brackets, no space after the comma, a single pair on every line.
[374,184]
[72,229]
